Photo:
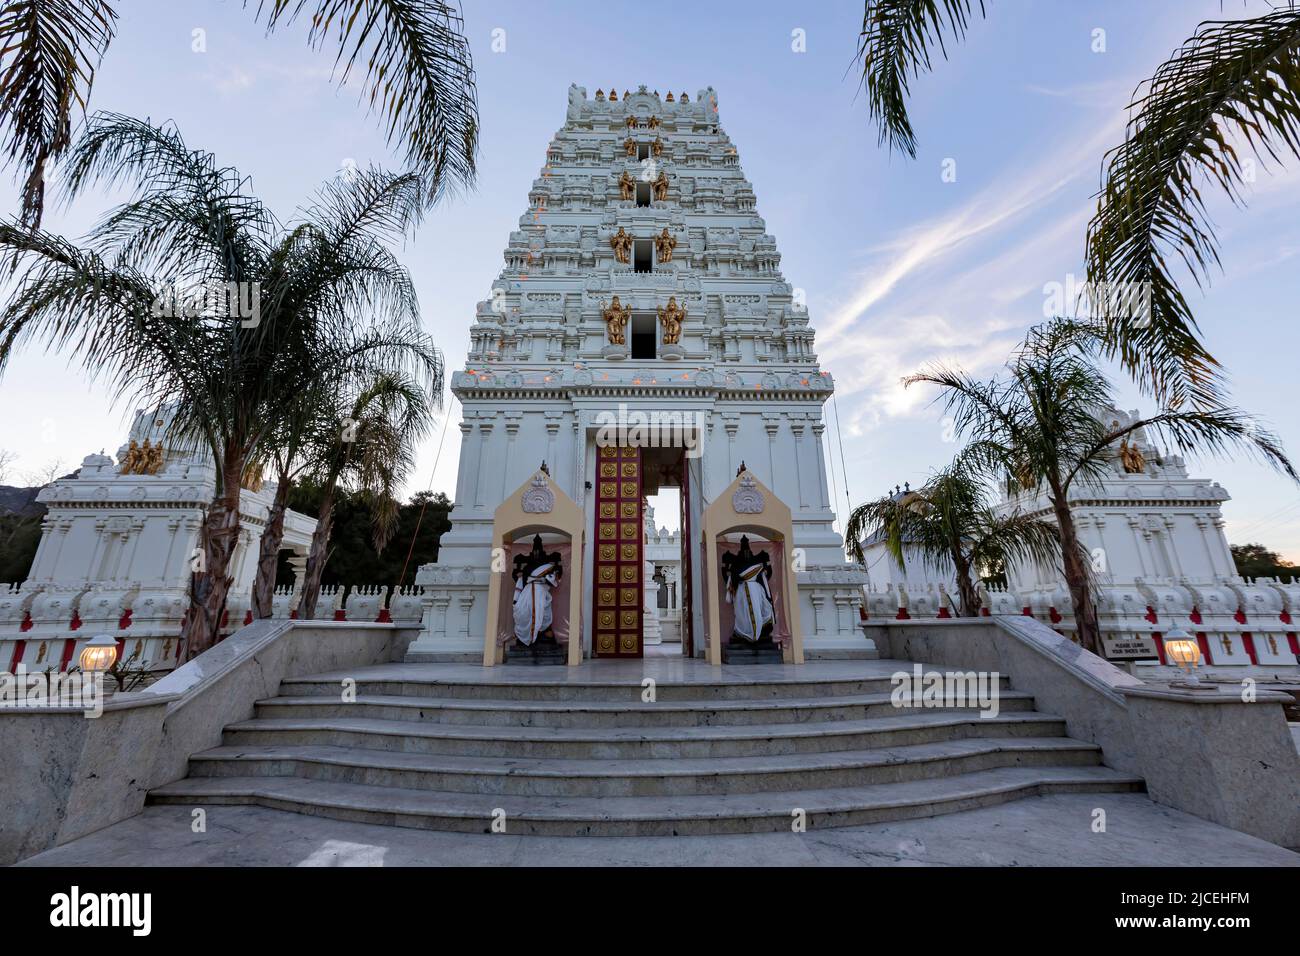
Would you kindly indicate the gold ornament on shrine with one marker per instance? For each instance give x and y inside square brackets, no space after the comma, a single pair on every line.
[252,479]
[1131,457]
[146,459]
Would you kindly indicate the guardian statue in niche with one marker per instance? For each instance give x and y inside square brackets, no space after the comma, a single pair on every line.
[748,576]
[536,575]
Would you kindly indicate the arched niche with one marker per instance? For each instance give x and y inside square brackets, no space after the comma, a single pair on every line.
[537,506]
[749,507]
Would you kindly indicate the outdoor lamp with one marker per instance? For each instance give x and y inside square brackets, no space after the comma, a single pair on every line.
[1183,650]
[99,654]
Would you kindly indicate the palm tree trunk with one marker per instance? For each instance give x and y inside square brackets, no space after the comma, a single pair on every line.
[970,599]
[316,557]
[209,587]
[268,555]
[1076,577]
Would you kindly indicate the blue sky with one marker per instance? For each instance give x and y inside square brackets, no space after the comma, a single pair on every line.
[899,266]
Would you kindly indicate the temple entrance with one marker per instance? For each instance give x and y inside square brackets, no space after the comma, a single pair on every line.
[619,566]
[642,573]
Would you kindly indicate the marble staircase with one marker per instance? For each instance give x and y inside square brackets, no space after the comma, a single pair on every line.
[558,752]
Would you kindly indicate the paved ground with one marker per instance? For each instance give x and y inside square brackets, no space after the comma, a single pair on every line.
[1054,830]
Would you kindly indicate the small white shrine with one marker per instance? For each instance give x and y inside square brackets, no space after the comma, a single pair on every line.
[641,336]
[117,549]
[1160,557]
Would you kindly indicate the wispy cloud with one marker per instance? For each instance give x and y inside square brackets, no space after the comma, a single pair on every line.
[962,287]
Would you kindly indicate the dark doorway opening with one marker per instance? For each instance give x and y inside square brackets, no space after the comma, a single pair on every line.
[643,336]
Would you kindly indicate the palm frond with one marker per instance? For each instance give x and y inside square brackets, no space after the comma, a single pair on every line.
[1215,430]
[1233,83]
[1010,540]
[894,47]
[49,51]
[418,74]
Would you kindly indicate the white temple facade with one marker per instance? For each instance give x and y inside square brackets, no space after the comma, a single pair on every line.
[1159,555]
[641,290]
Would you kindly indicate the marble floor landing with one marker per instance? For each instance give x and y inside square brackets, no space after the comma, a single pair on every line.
[665,668]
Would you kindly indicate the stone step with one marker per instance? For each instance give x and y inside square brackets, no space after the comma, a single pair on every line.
[915,727]
[618,713]
[558,684]
[536,655]
[643,816]
[742,652]
[642,778]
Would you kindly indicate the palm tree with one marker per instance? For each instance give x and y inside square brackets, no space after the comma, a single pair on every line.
[1232,83]
[287,456]
[307,433]
[415,65]
[1043,426]
[371,449]
[324,292]
[951,522]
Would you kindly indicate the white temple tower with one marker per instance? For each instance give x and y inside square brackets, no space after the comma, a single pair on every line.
[641,197]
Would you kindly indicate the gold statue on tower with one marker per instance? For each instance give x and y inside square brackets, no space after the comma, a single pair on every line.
[621,243]
[671,319]
[661,187]
[616,316]
[664,245]
[626,186]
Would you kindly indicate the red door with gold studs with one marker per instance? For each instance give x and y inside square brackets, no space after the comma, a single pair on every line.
[619,563]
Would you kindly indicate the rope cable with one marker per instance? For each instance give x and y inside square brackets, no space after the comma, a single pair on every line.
[401,581]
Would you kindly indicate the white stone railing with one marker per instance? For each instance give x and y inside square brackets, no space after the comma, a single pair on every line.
[44,627]
[1237,621]
[632,280]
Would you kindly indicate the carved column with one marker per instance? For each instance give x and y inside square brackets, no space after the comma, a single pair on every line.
[796,428]
[818,428]
[818,599]
[513,421]
[484,435]
[466,603]
[772,425]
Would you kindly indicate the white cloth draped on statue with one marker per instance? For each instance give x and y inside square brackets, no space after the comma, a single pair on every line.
[753,603]
[533,602]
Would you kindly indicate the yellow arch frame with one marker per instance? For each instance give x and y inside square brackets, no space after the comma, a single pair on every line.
[511,521]
[774,522]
